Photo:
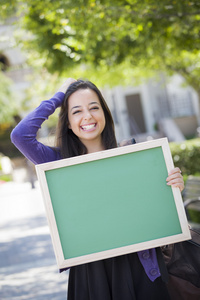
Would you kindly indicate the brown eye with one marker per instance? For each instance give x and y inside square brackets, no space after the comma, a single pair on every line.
[95,107]
[76,112]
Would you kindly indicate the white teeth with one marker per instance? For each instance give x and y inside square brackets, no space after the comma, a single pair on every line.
[87,127]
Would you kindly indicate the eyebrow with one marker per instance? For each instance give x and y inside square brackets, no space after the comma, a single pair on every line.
[75,107]
[78,106]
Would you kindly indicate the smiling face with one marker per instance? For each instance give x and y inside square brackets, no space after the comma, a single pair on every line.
[86,118]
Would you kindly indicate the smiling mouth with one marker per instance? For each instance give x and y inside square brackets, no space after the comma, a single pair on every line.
[88,127]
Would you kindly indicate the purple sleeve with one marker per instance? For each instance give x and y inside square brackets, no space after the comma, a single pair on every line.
[149,261]
[24,134]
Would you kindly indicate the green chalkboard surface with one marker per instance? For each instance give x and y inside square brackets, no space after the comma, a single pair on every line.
[113,202]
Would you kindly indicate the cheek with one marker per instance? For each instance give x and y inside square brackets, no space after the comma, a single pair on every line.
[71,123]
[103,118]
[103,121]
[74,123]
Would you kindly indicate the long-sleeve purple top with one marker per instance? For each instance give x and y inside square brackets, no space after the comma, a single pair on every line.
[24,138]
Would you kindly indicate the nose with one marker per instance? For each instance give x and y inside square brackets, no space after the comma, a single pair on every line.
[87,115]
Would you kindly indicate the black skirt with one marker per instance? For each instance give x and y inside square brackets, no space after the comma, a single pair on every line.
[118,278]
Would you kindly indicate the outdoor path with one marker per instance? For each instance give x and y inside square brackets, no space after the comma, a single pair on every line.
[28,267]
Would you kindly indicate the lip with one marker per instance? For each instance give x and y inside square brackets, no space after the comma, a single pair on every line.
[88,127]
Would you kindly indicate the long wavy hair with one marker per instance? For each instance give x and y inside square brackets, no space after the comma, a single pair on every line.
[66,141]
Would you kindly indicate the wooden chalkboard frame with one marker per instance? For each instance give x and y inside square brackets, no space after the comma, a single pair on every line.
[48,183]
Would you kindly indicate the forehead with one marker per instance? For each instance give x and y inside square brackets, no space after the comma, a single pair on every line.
[82,97]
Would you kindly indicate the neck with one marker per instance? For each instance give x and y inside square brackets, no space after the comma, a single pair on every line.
[94,147]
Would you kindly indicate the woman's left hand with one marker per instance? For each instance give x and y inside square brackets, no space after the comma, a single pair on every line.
[175,179]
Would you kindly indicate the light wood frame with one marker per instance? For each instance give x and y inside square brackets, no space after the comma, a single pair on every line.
[42,170]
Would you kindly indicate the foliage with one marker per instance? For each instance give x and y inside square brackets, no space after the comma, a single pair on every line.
[106,37]
[8,102]
[5,178]
[194,215]
[186,156]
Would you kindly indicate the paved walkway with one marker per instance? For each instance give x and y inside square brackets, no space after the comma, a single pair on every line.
[28,267]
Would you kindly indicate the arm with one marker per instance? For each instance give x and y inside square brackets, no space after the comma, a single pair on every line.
[24,134]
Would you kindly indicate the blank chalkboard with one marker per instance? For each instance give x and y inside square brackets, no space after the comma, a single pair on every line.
[112,202]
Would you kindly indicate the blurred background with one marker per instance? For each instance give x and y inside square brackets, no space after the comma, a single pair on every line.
[145,58]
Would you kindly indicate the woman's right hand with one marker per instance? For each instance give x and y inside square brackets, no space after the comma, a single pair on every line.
[66,84]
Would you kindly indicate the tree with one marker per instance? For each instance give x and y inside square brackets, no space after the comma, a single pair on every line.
[113,38]
[7,100]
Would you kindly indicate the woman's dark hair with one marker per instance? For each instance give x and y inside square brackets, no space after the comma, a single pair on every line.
[68,143]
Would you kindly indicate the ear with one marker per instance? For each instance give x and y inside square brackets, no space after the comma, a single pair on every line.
[69,125]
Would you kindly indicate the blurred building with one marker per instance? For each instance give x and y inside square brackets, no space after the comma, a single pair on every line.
[155,109]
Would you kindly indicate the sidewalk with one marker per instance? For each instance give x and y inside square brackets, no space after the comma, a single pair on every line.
[28,267]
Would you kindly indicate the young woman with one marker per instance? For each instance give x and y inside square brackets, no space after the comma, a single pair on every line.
[85,125]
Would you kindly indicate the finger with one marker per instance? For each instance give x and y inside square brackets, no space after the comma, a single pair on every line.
[178,182]
[175,170]
[66,84]
[174,176]
[174,181]
[178,185]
